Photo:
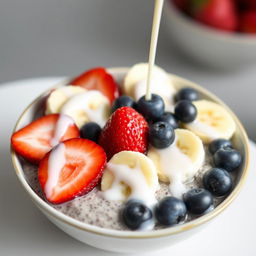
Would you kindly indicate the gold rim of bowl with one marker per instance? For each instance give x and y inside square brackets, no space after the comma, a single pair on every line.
[49,210]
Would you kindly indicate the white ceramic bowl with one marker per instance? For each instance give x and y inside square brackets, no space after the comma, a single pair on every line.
[208,45]
[130,241]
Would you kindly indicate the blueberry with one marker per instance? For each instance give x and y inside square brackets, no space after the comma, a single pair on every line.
[227,158]
[135,215]
[161,134]
[218,144]
[198,200]
[185,111]
[169,118]
[151,109]
[123,101]
[90,131]
[170,211]
[187,94]
[218,182]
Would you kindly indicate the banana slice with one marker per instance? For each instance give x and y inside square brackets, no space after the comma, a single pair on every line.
[87,106]
[135,83]
[213,122]
[179,162]
[59,96]
[130,175]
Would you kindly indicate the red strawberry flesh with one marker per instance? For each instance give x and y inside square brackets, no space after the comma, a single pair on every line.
[34,140]
[98,79]
[83,168]
[125,130]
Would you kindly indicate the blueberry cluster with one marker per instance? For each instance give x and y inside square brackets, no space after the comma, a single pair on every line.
[169,211]
[162,123]
[216,182]
[198,201]
[226,160]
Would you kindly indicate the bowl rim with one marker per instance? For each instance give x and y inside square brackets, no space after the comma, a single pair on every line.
[49,210]
[240,38]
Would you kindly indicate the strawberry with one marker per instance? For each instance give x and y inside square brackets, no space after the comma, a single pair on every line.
[73,168]
[34,140]
[98,79]
[248,22]
[125,130]
[220,14]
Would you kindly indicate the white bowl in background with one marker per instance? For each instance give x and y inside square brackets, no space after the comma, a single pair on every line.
[131,241]
[208,45]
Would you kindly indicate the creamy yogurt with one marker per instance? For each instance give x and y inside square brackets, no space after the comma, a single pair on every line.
[132,177]
[62,125]
[175,164]
[204,129]
[87,106]
[57,161]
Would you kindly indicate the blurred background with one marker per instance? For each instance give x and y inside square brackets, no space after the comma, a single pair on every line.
[62,38]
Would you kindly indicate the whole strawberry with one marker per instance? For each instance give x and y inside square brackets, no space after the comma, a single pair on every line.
[220,14]
[125,130]
[248,22]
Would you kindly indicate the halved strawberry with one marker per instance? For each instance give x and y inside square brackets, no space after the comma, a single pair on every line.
[98,79]
[36,139]
[73,168]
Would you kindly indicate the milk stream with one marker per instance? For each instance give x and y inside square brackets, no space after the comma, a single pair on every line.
[153,43]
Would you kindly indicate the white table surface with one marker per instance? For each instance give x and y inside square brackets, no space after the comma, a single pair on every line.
[24,230]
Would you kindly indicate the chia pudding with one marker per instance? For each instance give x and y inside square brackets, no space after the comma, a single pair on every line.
[93,209]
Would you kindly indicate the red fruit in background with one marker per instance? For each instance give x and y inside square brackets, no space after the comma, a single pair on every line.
[181,4]
[34,140]
[82,168]
[125,130]
[98,79]
[248,22]
[219,14]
